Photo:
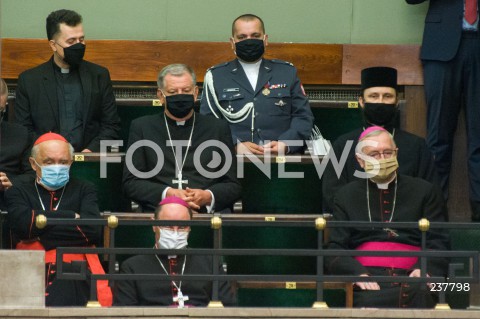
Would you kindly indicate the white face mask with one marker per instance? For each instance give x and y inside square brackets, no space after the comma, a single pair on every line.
[171,239]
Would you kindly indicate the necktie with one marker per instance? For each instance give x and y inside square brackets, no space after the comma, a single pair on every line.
[471,11]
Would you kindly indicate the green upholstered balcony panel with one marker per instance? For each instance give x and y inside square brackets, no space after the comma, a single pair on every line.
[129,113]
[287,297]
[110,193]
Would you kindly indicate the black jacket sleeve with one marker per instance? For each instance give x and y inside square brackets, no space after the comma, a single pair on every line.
[108,118]
[437,239]
[339,239]
[146,192]
[125,291]
[227,188]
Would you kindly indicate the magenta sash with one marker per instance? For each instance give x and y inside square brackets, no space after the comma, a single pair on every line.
[387,261]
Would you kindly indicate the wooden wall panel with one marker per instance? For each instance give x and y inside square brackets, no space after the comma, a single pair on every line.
[21,54]
[405,58]
[316,63]
[415,111]
[140,61]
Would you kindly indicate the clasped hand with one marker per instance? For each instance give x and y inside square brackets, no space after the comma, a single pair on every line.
[195,197]
[4,182]
[273,147]
[372,285]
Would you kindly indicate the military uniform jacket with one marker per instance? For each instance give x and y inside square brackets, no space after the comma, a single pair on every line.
[282,111]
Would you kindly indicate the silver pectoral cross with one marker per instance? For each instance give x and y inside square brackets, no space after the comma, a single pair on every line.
[180,298]
[179,180]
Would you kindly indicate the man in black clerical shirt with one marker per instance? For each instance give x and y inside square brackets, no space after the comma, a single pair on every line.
[176,293]
[379,106]
[67,94]
[180,152]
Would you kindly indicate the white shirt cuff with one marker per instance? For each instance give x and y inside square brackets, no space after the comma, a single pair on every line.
[212,204]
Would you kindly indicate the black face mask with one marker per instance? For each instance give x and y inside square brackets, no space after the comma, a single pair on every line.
[74,54]
[250,50]
[180,105]
[380,113]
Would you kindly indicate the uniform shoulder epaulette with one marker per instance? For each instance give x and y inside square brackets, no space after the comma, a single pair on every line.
[282,62]
[218,66]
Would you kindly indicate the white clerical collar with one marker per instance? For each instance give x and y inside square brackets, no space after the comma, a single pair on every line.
[385,185]
[180,123]
[251,70]
[64,70]
[382,185]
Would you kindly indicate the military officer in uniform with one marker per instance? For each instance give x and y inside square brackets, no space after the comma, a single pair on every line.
[263,100]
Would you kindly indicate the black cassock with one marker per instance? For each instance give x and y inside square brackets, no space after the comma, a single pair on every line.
[414,159]
[24,206]
[415,199]
[148,191]
[161,293]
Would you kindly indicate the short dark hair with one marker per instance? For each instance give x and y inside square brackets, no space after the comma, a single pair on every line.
[247,17]
[54,19]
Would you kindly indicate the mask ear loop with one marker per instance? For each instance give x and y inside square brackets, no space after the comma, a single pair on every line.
[164,99]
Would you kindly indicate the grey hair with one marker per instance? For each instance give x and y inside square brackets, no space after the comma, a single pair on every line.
[35,148]
[3,87]
[175,70]
[378,132]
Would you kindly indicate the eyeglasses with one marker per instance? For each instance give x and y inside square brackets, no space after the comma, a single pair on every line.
[385,154]
[178,229]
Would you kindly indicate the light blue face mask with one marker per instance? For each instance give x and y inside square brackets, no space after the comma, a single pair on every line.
[54,176]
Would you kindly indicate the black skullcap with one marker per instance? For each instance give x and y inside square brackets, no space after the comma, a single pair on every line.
[379,76]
